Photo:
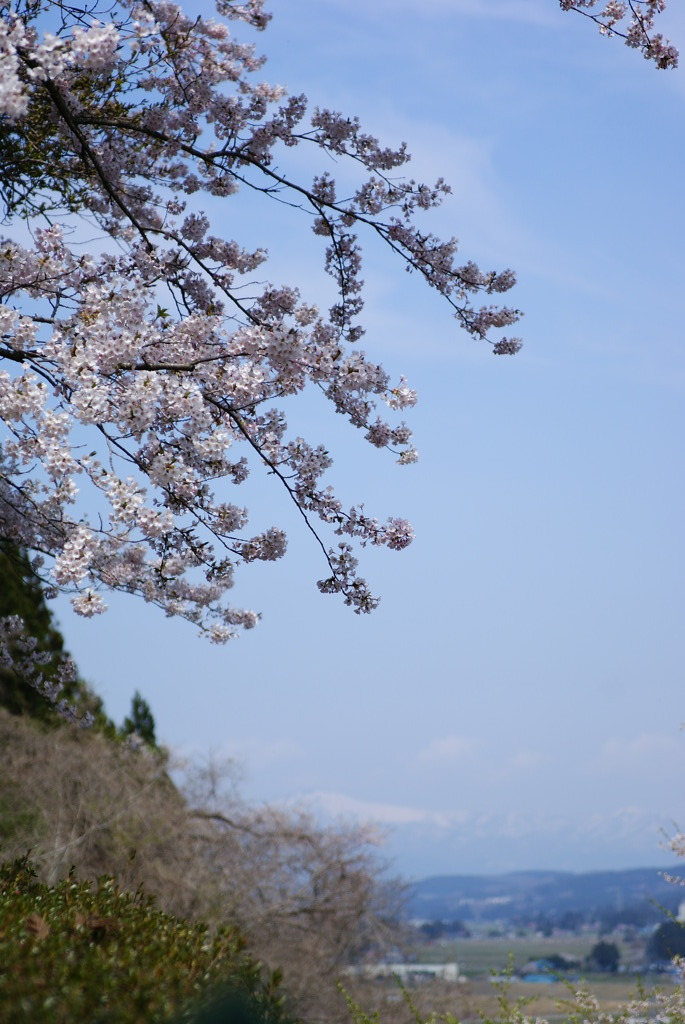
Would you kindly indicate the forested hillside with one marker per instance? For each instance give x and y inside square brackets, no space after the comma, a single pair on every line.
[638,893]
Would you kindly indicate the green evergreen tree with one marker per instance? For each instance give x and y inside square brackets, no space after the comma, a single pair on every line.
[667,941]
[141,721]
[21,594]
[604,956]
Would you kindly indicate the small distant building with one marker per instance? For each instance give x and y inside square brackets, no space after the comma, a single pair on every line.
[410,974]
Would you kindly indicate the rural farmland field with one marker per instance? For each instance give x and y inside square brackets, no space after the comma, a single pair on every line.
[484,963]
[477,957]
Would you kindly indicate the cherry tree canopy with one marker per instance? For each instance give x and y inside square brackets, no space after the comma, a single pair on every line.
[142,382]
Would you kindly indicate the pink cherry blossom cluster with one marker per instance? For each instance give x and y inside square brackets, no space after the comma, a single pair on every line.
[20,654]
[633,21]
[137,384]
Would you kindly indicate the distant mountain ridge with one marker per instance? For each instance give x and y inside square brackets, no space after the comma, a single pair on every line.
[535,894]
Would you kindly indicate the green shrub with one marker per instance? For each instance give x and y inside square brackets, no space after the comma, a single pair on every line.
[88,952]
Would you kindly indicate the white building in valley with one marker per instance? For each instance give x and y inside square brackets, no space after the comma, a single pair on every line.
[408,973]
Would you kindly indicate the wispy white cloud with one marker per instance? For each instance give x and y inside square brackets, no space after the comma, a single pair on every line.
[454,750]
[527,760]
[649,755]
[464,826]
[449,750]
[480,211]
[340,805]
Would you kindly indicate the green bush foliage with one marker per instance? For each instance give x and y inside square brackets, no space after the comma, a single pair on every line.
[82,951]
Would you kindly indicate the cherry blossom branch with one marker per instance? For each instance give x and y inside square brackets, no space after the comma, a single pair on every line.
[638,31]
[121,123]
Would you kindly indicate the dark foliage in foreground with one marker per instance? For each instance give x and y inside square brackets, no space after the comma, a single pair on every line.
[89,952]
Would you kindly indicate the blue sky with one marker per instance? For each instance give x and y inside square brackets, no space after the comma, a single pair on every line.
[516,699]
